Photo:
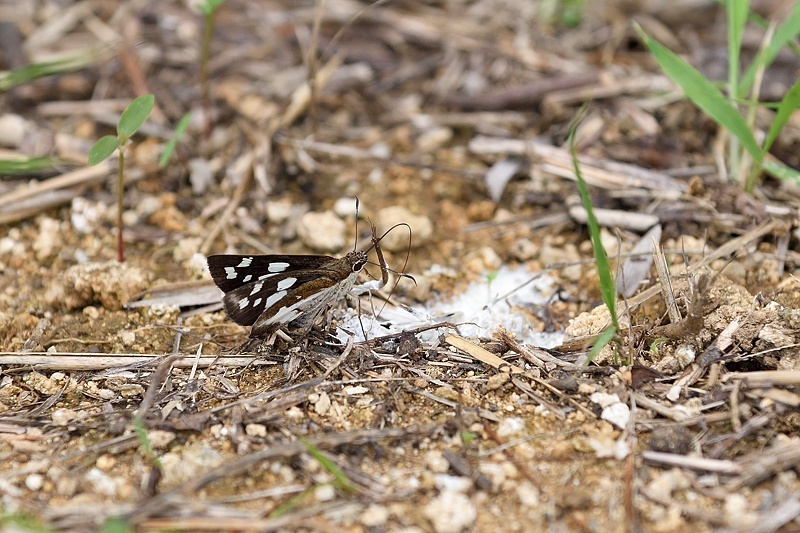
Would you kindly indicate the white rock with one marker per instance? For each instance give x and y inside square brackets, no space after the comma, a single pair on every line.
[127,337]
[434,138]
[685,355]
[278,211]
[663,485]
[618,414]
[451,512]
[323,232]
[345,207]
[324,493]
[187,462]
[510,426]
[603,399]
[86,216]
[446,482]
[186,248]
[200,175]
[47,238]
[323,405]
[159,438]
[738,513]
[436,462]
[62,417]
[101,482]
[256,430]
[397,240]
[34,482]
[374,515]
[528,494]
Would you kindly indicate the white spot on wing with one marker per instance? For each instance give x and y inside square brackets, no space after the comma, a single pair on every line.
[285,315]
[277,267]
[247,278]
[274,298]
[244,302]
[256,287]
[257,302]
[245,262]
[231,272]
[286,283]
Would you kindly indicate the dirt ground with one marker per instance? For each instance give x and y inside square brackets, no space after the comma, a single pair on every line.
[126,405]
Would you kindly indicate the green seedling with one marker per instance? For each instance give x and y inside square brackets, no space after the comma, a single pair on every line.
[747,158]
[129,123]
[140,431]
[608,289]
[654,346]
[169,148]
[341,481]
[467,437]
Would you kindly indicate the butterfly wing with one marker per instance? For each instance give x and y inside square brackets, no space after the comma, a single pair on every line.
[277,289]
[269,296]
[233,271]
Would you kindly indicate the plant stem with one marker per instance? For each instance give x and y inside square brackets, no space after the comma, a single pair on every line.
[120,191]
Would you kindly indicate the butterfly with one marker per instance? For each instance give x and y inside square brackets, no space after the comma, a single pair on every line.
[270,291]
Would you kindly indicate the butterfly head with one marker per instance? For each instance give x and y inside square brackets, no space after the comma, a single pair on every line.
[357,260]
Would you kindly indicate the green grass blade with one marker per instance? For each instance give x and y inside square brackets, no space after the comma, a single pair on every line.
[702,92]
[607,288]
[736,11]
[790,102]
[342,481]
[10,167]
[169,148]
[71,62]
[781,171]
[134,115]
[183,123]
[103,149]
[784,34]
[601,342]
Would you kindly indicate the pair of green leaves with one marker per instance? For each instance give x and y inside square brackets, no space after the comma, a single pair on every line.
[129,123]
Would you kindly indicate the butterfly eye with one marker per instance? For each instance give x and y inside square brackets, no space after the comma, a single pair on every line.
[360,261]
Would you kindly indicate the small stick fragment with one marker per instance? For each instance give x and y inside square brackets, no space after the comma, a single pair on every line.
[481,354]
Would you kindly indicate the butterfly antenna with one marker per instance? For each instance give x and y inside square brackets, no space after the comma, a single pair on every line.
[355,239]
[384,269]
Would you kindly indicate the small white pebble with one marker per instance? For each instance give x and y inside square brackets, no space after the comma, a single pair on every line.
[374,516]
[451,512]
[323,232]
[510,426]
[618,414]
[445,482]
[34,482]
[127,338]
[256,430]
[324,493]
